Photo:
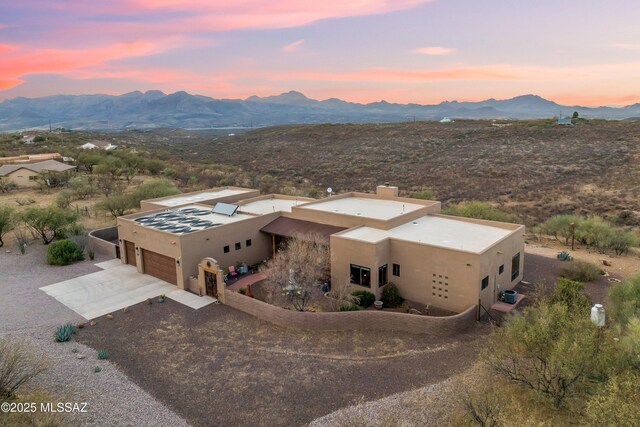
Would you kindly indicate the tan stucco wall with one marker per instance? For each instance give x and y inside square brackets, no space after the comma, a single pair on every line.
[21,176]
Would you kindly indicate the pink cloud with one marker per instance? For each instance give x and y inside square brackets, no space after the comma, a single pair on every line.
[292,47]
[435,51]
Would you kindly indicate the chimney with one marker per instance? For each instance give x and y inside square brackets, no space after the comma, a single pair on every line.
[387,191]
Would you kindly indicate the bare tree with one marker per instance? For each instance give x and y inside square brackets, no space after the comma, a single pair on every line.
[299,268]
[340,294]
[18,365]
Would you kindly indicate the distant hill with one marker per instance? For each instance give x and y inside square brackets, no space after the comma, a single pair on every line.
[155,109]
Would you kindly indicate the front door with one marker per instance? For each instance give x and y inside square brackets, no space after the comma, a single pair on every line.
[210,284]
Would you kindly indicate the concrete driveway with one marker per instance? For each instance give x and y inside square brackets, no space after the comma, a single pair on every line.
[115,288]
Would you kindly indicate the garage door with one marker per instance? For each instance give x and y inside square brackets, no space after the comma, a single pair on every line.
[160,266]
[131,252]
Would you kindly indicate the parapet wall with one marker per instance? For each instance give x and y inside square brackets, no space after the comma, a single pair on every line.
[353,320]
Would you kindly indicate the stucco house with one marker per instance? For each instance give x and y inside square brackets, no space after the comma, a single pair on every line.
[27,174]
[447,262]
[100,145]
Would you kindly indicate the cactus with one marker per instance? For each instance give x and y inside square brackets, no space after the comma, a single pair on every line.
[102,354]
[564,256]
[97,369]
[64,332]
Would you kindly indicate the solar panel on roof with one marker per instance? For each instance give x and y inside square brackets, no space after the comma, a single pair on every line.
[225,209]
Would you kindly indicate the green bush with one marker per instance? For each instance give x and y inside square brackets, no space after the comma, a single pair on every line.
[153,189]
[624,300]
[348,307]
[580,271]
[391,296]
[64,252]
[242,291]
[480,210]
[97,369]
[425,194]
[570,293]
[365,298]
[64,332]
[102,354]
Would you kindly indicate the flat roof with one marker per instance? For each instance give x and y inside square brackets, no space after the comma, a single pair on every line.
[365,207]
[437,231]
[197,197]
[265,206]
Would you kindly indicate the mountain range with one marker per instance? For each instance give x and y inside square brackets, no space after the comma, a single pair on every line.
[155,109]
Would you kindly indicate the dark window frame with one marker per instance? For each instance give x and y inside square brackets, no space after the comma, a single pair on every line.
[484,284]
[396,270]
[383,275]
[247,243]
[501,269]
[238,246]
[358,278]
[515,266]
[226,249]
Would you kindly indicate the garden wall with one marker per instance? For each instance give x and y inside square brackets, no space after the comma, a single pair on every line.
[353,320]
[104,241]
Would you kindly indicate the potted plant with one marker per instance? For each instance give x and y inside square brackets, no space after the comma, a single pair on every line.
[378,304]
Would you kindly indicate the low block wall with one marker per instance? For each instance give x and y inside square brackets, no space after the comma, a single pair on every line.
[104,241]
[353,320]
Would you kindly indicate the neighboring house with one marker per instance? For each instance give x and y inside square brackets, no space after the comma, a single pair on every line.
[446,120]
[447,262]
[96,144]
[565,121]
[26,175]
[28,137]
[31,158]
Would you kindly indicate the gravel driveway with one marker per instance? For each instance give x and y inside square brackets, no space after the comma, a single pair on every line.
[27,312]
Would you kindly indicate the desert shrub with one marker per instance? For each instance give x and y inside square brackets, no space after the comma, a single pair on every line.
[549,349]
[18,365]
[365,298]
[617,403]
[480,210]
[64,332]
[595,232]
[21,239]
[242,291]
[81,187]
[6,185]
[152,189]
[391,296]
[624,300]
[570,293]
[559,226]
[48,222]
[7,221]
[348,307]
[102,354]
[64,252]
[424,194]
[97,369]
[117,205]
[64,199]
[620,241]
[153,166]
[581,271]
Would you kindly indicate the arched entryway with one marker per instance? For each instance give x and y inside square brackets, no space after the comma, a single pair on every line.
[210,279]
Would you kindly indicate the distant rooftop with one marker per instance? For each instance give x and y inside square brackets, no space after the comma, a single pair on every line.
[47,165]
[265,206]
[383,209]
[197,197]
[449,233]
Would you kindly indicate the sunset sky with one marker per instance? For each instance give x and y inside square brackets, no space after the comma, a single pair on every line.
[420,51]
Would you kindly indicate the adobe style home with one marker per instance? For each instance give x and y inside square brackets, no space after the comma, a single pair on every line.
[27,174]
[447,262]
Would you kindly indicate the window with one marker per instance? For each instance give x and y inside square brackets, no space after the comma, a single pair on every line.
[33,178]
[485,283]
[238,246]
[396,270]
[247,243]
[515,266]
[382,276]
[361,275]
[501,269]
[226,249]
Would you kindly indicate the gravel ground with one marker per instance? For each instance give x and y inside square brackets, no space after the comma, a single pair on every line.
[420,407]
[30,314]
